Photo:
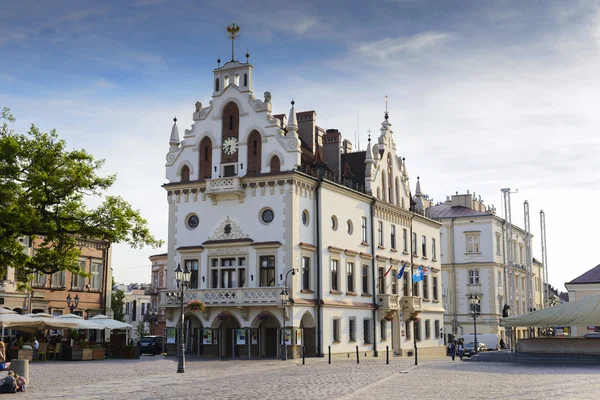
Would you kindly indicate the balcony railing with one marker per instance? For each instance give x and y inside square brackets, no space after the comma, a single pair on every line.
[412,304]
[389,302]
[223,185]
[234,296]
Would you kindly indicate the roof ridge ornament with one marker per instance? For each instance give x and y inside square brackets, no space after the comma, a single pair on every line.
[233,34]
[386,108]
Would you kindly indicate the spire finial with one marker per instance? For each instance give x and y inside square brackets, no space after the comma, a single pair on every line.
[386,110]
[247,55]
[219,61]
[418,178]
[369,132]
[175,119]
[293,102]
[233,30]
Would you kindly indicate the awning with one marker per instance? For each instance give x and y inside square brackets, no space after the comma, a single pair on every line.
[10,319]
[109,323]
[576,313]
[48,322]
[80,321]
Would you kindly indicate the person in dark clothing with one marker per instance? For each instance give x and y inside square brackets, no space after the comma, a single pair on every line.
[9,385]
[453,350]
[502,344]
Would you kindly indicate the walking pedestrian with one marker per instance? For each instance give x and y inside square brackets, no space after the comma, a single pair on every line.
[453,349]
[461,349]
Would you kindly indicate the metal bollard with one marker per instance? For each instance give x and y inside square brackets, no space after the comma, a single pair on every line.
[357,359]
[387,354]
[329,354]
[303,355]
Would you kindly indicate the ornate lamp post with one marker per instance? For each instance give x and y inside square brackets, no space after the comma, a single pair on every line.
[474,299]
[183,279]
[72,303]
[285,300]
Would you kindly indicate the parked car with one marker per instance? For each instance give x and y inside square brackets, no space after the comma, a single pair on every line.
[151,345]
[470,348]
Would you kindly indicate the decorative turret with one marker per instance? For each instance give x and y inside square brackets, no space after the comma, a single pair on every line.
[174,140]
[418,188]
[292,123]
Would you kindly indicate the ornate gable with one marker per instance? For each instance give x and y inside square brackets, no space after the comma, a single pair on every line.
[228,230]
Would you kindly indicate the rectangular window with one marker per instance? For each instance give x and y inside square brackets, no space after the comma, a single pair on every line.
[143,308]
[241,277]
[424,246]
[521,254]
[367,331]
[414,243]
[418,330]
[96,278]
[405,284]
[472,242]
[77,281]
[437,331]
[427,329]
[473,276]
[415,288]
[435,288]
[425,286]
[498,243]
[433,249]
[365,278]
[407,329]
[39,279]
[127,307]
[350,276]
[405,240]
[393,236]
[228,278]
[306,273]
[267,271]
[352,329]
[58,279]
[134,310]
[394,281]
[380,280]
[363,228]
[383,329]
[336,330]
[334,274]
[192,266]
[380,232]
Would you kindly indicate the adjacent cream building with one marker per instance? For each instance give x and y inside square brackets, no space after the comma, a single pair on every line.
[585,285]
[256,197]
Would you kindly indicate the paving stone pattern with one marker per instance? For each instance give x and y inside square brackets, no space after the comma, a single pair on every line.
[156,378]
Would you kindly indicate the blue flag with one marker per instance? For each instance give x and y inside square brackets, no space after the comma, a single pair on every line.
[401,273]
[418,276]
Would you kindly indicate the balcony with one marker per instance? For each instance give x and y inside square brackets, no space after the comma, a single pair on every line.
[223,297]
[230,187]
[389,302]
[411,304]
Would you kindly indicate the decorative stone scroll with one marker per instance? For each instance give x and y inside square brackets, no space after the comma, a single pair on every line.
[228,230]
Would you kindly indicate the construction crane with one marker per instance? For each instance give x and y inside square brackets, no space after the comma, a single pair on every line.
[546,292]
[528,257]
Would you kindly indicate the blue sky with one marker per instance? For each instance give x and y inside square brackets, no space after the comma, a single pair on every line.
[482,94]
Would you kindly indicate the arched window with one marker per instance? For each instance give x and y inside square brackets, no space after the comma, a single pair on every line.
[383,186]
[236,80]
[397,186]
[275,164]
[254,153]
[230,128]
[217,85]
[379,193]
[473,276]
[390,179]
[225,81]
[245,80]
[205,158]
[185,174]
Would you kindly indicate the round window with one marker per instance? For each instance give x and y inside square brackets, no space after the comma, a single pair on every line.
[334,224]
[349,227]
[193,221]
[267,216]
[305,217]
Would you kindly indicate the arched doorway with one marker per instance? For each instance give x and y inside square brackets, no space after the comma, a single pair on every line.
[193,334]
[225,323]
[307,324]
[267,326]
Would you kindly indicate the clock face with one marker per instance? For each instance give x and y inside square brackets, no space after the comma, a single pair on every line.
[230,145]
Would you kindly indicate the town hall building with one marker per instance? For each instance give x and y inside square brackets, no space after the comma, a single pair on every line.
[261,203]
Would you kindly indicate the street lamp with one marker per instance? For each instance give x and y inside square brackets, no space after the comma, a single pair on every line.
[72,303]
[474,299]
[183,278]
[285,300]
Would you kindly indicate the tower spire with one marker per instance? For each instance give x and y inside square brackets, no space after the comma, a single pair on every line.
[386,110]
[233,34]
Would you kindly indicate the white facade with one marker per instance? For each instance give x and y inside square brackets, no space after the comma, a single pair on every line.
[137,305]
[246,211]
[474,244]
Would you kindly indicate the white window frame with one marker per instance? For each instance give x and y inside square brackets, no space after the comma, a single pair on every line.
[78,281]
[363,229]
[472,242]
[433,249]
[473,277]
[96,276]
[380,232]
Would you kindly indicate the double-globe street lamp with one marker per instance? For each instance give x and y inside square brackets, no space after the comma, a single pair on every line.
[72,303]
[183,279]
[285,300]
[474,299]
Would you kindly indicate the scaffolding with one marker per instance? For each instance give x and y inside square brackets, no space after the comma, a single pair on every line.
[546,291]
[510,273]
[528,258]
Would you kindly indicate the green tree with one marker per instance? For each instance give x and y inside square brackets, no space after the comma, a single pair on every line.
[140,330]
[117,303]
[43,187]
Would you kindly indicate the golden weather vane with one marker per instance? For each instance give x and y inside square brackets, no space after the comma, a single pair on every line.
[233,30]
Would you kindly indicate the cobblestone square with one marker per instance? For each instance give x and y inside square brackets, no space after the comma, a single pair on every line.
[156,378]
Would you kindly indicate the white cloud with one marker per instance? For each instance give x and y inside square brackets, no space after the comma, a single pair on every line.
[392,47]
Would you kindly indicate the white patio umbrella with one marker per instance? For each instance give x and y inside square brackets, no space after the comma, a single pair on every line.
[80,321]
[109,323]
[10,319]
[49,322]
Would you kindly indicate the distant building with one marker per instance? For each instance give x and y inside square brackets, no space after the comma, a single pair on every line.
[158,283]
[585,285]
[137,305]
[473,240]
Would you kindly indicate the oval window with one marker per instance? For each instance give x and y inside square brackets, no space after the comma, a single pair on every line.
[193,221]
[349,227]
[305,217]
[267,216]
[334,223]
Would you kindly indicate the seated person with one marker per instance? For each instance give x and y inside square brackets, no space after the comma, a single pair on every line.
[3,364]
[9,385]
[21,383]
